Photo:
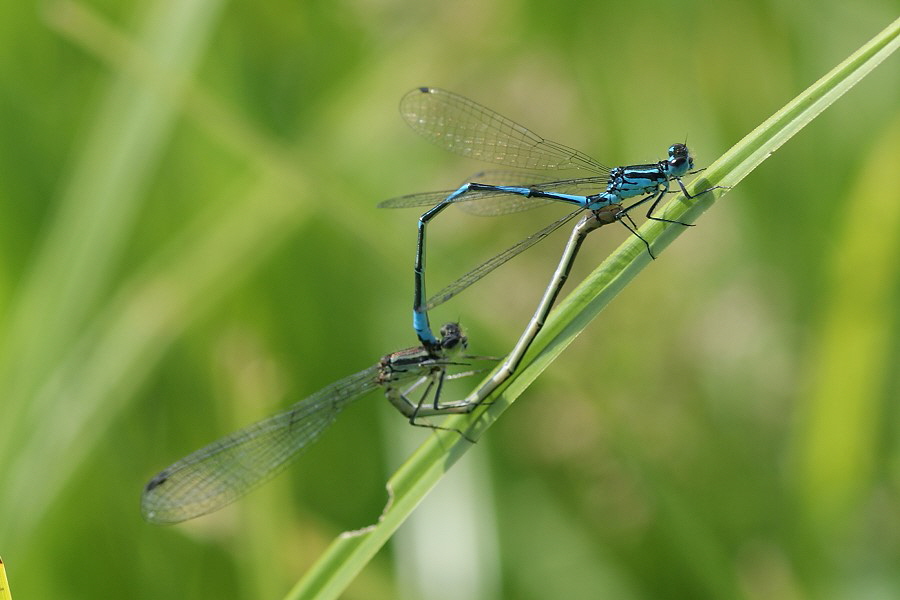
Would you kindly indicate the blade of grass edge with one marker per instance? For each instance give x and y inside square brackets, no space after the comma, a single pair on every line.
[351,551]
[96,210]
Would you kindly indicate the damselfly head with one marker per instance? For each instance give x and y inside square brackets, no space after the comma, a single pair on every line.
[680,160]
[453,338]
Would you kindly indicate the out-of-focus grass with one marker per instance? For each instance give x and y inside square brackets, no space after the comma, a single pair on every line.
[179,261]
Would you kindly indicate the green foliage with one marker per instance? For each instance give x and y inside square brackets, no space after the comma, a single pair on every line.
[190,240]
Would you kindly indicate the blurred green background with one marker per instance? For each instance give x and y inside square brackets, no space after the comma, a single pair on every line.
[190,241]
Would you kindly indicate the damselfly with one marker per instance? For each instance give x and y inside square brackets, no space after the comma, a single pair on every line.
[225,470]
[465,127]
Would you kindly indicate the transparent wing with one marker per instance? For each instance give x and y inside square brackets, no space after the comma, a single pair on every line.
[466,128]
[490,203]
[491,264]
[225,470]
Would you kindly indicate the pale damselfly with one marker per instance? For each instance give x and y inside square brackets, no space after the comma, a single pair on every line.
[220,473]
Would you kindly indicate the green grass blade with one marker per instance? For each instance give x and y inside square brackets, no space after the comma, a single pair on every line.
[351,552]
[840,431]
[76,259]
[101,201]
[93,363]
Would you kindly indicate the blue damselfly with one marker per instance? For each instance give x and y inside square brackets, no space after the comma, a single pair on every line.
[465,127]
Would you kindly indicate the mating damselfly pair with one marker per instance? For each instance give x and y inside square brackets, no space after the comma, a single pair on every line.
[412,379]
